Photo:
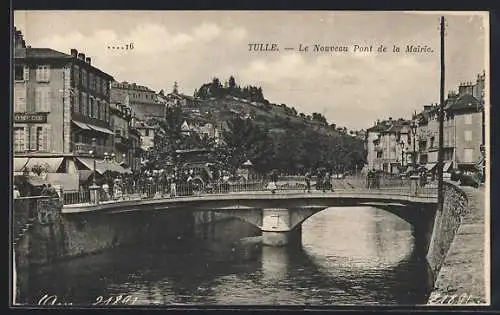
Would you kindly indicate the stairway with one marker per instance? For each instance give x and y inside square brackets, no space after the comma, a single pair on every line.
[22,231]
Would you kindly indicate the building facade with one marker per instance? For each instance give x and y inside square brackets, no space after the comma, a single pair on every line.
[61,104]
[120,117]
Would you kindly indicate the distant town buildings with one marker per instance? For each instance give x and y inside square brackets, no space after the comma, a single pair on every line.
[463,135]
[142,100]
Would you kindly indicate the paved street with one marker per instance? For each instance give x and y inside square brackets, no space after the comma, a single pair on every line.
[463,271]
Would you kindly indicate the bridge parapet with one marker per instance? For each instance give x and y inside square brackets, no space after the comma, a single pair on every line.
[405,186]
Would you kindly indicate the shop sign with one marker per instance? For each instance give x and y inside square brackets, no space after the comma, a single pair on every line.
[36,118]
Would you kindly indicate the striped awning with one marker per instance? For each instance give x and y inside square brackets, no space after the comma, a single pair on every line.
[102,166]
[430,166]
[50,164]
[480,164]
[19,164]
[86,126]
[447,165]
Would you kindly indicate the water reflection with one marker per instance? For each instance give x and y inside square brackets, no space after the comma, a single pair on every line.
[349,256]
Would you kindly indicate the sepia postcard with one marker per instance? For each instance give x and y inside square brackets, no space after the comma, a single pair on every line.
[250,158]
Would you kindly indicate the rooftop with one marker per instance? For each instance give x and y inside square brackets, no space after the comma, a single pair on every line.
[49,53]
[463,102]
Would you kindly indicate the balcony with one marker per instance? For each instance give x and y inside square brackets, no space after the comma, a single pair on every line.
[81,148]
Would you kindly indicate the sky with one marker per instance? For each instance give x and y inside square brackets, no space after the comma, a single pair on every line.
[351,88]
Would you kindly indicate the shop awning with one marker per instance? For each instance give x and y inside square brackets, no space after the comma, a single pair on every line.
[447,166]
[101,129]
[89,163]
[480,163]
[101,167]
[19,164]
[81,125]
[430,166]
[51,164]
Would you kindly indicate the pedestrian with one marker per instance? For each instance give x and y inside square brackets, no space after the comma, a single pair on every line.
[173,186]
[44,191]
[16,192]
[326,182]
[308,182]
[272,184]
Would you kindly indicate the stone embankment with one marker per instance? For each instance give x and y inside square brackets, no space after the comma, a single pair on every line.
[457,252]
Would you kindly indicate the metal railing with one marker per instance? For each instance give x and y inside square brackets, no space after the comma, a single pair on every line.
[382,185]
[85,148]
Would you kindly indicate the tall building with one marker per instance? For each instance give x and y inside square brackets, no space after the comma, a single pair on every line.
[61,103]
[388,145]
[120,117]
[142,100]
[464,112]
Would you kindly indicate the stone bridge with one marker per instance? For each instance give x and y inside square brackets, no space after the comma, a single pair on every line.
[279,216]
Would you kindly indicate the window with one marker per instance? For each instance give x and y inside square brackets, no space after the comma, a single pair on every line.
[468,155]
[76,103]
[147,132]
[42,99]
[84,104]
[98,109]
[39,136]
[104,87]
[43,73]
[19,139]
[46,136]
[20,99]
[98,84]
[84,78]
[432,143]
[468,119]
[92,81]
[468,135]
[83,101]
[91,107]
[19,73]
[76,75]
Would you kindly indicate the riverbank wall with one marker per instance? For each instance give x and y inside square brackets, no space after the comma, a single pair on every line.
[42,235]
[456,252]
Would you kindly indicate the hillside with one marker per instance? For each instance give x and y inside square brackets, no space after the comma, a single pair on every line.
[290,140]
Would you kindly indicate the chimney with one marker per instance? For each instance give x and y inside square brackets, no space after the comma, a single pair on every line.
[88,60]
[74,53]
[81,56]
[18,39]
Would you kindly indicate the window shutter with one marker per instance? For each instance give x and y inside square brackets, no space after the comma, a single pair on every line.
[47,134]
[48,94]
[26,73]
[20,104]
[32,137]
[76,100]
[38,99]
[26,134]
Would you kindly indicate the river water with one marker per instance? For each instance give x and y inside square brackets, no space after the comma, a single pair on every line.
[349,256]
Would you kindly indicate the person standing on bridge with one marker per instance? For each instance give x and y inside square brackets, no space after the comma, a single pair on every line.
[272,184]
[308,182]
[173,186]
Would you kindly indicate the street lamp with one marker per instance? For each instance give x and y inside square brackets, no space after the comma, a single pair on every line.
[413,127]
[94,141]
[402,154]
